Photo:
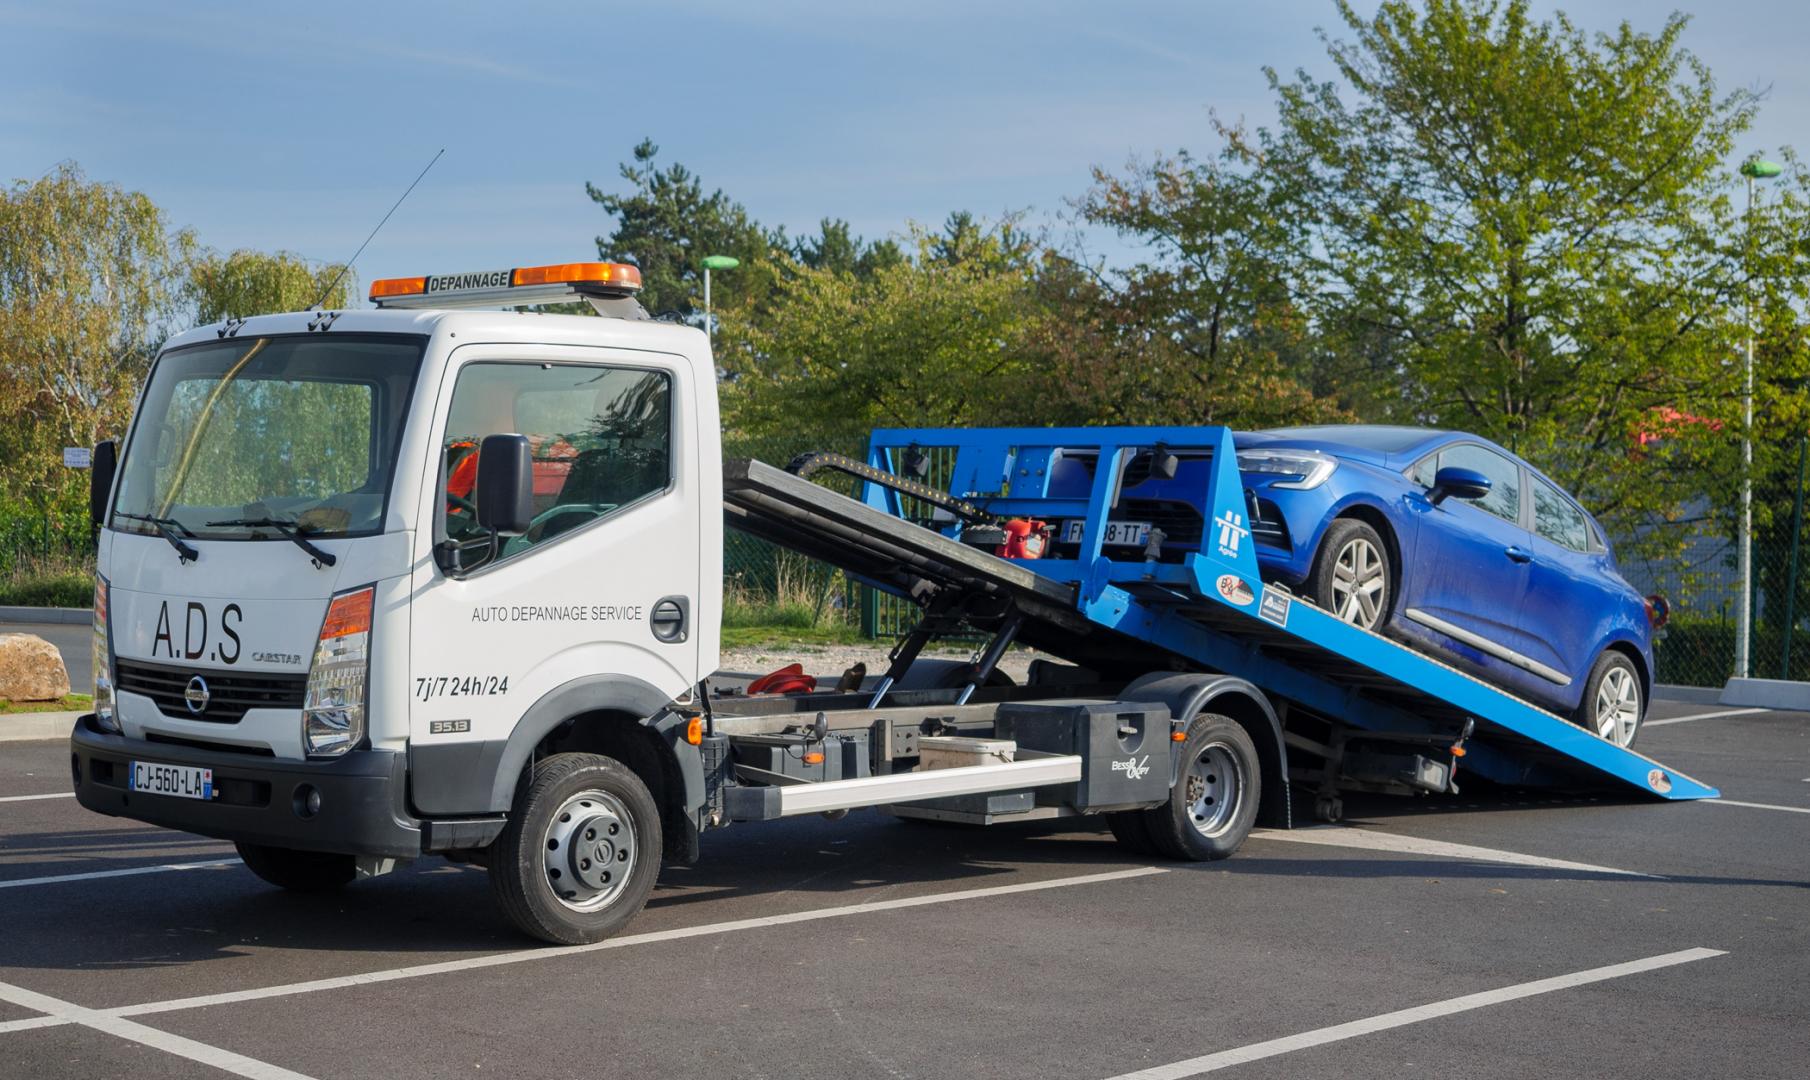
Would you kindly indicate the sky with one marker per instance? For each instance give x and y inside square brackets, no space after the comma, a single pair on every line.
[295,127]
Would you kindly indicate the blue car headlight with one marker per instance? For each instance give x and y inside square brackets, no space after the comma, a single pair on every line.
[1301,470]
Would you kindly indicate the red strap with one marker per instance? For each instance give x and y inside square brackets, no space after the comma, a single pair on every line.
[790,679]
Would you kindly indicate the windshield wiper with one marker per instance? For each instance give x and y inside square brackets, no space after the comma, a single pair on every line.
[292,531]
[167,528]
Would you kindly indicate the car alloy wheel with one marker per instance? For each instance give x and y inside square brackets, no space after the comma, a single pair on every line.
[1618,706]
[1359,577]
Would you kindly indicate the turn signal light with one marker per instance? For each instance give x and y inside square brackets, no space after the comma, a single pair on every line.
[1178,736]
[694,731]
[814,757]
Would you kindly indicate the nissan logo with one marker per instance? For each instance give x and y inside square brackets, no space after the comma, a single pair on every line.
[196,695]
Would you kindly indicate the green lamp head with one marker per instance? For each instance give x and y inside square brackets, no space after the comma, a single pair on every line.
[721,262]
[1761,169]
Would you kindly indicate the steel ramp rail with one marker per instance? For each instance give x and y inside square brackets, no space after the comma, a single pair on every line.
[1213,609]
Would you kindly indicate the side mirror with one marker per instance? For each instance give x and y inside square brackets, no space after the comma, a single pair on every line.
[1462,482]
[505,487]
[100,479]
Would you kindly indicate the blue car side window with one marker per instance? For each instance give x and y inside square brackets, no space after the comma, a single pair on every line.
[1504,498]
[1557,520]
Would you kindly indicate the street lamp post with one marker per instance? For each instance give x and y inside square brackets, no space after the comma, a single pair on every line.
[714,262]
[1755,169]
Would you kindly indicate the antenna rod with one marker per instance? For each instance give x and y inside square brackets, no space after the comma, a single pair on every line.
[334,284]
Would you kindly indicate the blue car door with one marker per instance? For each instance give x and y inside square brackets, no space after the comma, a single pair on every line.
[1571,593]
[1464,591]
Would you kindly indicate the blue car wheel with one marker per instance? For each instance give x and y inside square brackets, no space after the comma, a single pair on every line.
[1352,577]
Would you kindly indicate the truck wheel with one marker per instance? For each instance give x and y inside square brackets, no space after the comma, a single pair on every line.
[1128,829]
[1214,801]
[298,871]
[581,851]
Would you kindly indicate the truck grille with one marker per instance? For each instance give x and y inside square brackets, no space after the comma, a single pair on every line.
[229,694]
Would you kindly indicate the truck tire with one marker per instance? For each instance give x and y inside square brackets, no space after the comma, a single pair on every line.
[298,871]
[1128,829]
[581,851]
[1213,804]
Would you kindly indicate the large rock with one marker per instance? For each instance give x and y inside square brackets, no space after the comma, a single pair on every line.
[31,669]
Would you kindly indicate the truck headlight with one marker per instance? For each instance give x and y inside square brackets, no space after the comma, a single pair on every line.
[333,713]
[1306,469]
[103,660]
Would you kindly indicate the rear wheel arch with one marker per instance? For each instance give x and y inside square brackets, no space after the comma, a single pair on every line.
[1628,649]
[1189,694]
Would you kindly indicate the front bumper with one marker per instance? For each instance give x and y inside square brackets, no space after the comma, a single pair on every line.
[259,800]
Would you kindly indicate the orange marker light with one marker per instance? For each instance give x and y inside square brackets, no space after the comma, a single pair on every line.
[694,731]
[1178,736]
[398,286]
[1457,751]
[562,273]
[815,757]
[349,614]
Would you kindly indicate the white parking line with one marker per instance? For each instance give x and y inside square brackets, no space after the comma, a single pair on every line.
[32,798]
[1757,806]
[1356,1028]
[225,1060]
[1702,716]
[93,875]
[1371,840]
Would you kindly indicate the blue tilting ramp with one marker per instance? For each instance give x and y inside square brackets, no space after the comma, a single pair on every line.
[1198,596]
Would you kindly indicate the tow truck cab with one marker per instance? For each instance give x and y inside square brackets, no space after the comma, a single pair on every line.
[306,636]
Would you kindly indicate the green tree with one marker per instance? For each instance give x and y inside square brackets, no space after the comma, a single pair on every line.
[922,341]
[246,283]
[1531,225]
[1205,327]
[666,224]
[836,248]
[89,286]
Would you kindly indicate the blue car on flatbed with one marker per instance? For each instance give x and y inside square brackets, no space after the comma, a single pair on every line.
[1437,538]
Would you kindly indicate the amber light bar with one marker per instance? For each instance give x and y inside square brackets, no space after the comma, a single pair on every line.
[519,285]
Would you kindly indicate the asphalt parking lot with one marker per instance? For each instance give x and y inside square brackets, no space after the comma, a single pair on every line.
[1494,935]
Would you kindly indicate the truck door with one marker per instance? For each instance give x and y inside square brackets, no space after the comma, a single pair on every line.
[604,582]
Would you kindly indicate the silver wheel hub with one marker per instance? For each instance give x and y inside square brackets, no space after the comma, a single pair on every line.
[589,850]
[1618,706]
[1214,784]
[1358,581]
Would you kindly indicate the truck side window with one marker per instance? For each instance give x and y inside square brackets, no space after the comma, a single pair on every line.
[601,439]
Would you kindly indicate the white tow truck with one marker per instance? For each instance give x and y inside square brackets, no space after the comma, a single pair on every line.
[436,579]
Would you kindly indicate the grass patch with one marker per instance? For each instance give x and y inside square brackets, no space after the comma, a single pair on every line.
[67,703]
[804,603]
[48,582]
[785,637]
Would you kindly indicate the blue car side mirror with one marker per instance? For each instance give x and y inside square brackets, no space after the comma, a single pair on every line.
[1459,481]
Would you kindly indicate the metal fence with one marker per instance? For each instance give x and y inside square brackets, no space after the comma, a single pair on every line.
[1702,582]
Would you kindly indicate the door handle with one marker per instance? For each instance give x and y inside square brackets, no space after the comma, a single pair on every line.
[1518,553]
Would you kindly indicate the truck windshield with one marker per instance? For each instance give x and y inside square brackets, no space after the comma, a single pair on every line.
[301,430]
